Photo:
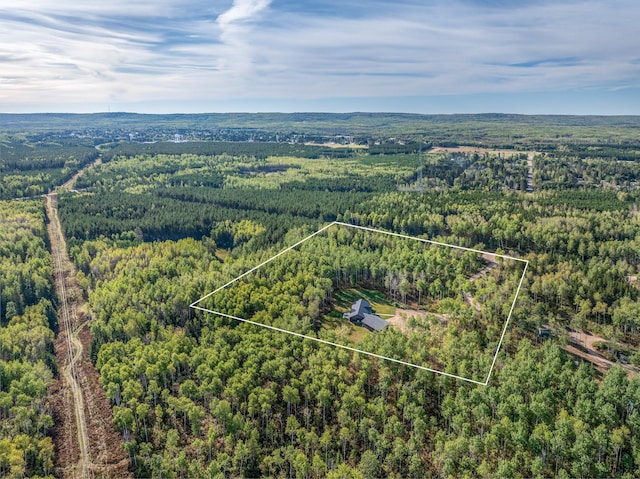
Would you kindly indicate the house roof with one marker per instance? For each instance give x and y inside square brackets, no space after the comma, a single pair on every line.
[359,309]
[374,322]
[361,306]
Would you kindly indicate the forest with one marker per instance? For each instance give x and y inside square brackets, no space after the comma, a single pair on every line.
[296,292]
[27,323]
[30,168]
[155,227]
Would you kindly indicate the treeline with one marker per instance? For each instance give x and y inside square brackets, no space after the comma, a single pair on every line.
[21,156]
[348,183]
[317,205]
[186,169]
[24,259]
[26,342]
[564,171]
[31,169]
[176,213]
[396,148]
[621,152]
[257,150]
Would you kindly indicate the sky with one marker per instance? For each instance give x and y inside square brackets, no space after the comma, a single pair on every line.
[418,56]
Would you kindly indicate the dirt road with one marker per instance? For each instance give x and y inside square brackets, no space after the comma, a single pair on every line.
[587,341]
[70,184]
[491,258]
[84,448]
[68,347]
[530,173]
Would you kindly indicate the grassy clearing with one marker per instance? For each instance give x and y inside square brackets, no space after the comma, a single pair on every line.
[335,322]
[379,302]
[344,299]
[357,334]
[302,169]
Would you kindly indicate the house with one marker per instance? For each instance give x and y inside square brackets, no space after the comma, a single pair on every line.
[361,314]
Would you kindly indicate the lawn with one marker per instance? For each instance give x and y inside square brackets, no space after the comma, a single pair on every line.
[381,305]
[334,321]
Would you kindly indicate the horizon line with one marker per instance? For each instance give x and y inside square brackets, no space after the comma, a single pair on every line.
[303,112]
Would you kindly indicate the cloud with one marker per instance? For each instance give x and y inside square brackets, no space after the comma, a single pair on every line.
[64,52]
[236,59]
[459,48]
[242,10]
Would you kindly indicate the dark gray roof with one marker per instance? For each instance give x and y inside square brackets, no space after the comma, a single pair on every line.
[374,322]
[361,306]
[359,309]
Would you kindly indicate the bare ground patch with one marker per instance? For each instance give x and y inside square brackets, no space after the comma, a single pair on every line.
[401,317]
[475,149]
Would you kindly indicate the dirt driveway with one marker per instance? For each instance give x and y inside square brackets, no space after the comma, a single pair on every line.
[399,319]
[592,355]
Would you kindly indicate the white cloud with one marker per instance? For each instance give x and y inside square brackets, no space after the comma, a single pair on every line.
[236,60]
[456,49]
[121,51]
[242,10]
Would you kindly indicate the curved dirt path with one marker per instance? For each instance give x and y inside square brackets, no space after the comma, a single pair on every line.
[491,258]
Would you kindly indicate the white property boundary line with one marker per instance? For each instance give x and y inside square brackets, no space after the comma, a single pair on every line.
[504,330]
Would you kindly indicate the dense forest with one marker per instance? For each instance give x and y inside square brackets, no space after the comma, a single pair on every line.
[198,395]
[295,291]
[157,226]
[232,399]
[27,320]
[30,168]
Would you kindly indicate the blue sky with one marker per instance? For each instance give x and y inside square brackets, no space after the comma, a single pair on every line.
[453,56]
